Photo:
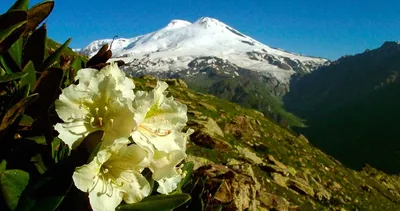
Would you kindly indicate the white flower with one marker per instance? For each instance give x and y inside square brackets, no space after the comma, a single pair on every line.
[114,175]
[160,121]
[102,100]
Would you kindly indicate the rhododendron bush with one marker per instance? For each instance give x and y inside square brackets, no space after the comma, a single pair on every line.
[75,134]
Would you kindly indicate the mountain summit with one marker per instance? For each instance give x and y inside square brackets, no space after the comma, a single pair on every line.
[180,42]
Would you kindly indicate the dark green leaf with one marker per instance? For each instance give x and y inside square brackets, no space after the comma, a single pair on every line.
[55,146]
[47,86]
[50,202]
[38,139]
[20,5]
[15,111]
[94,139]
[13,183]
[53,58]
[3,166]
[59,150]
[26,120]
[188,169]
[11,77]
[35,47]
[12,25]
[157,202]
[38,162]
[30,77]
[48,190]
[15,51]
[37,14]
[9,63]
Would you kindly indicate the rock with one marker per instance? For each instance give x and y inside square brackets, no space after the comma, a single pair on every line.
[212,128]
[207,134]
[335,186]
[274,169]
[224,193]
[273,202]
[207,106]
[271,159]
[279,179]
[198,161]
[241,127]
[300,186]
[240,187]
[176,82]
[249,155]
[323,195]
[366,188]
[233,162]
[302,137]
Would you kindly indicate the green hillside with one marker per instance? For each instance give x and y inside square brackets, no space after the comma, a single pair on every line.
[248,162]
[352,108]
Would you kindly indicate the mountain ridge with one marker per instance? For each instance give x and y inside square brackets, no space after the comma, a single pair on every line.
[179,42]
[351,107]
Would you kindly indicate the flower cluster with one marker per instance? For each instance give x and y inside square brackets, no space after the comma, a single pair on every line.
[142,130]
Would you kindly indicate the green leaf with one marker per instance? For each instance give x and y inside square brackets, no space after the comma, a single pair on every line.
[47,86]
[30,77]
[157,202]
[12,25]
[55,146]
[11,77]
[15,51]
[59,150]
[15,111]
[38,162]
[37,14]
[26,120]
[9,63]
[55,56]
[49,189]
[13,182]
[35,47]
[188,168]
[3,166]
[41,140]
[91,144]
[20,5]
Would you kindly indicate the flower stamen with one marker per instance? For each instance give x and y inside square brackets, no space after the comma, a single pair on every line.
[100,121]
[157,132]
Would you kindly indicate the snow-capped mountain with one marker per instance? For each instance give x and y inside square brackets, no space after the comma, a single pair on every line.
[172,48]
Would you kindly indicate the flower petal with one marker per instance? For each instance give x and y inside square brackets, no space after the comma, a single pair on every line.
[72,133]
[131,157]
[164,164]
[167,185]
[124,84]
[85,76]
[105,197]
[135,190]
[85,177]
[71,104]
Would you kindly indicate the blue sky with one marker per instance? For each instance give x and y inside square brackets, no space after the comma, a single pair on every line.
[328,29]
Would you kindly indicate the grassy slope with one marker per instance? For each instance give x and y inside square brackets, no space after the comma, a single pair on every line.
[266,138]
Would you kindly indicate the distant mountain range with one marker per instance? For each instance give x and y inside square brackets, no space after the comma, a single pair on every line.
[350,105]
[173,47]
[215,58]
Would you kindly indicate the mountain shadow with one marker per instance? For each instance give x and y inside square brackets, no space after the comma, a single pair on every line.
[352,108]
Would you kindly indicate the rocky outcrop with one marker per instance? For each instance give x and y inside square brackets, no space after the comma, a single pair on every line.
[243,161]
